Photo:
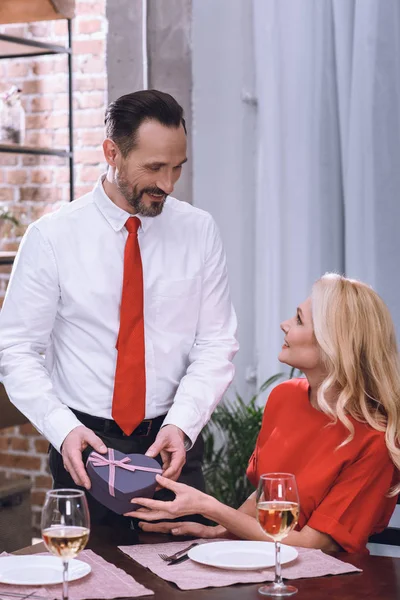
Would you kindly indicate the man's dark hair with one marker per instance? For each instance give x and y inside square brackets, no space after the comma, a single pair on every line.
[125,115]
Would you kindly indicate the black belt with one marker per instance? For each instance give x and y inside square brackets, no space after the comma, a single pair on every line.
[110,427]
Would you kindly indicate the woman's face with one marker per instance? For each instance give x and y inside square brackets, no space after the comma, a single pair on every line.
[300,348]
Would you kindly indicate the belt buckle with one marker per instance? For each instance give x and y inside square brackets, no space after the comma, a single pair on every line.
[149,424]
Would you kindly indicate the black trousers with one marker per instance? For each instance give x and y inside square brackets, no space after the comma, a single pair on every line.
[135,444]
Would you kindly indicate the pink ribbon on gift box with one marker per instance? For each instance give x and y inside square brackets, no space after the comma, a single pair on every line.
[99,460]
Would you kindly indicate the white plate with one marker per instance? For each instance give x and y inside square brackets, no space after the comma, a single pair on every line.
[39,570]
[240,555]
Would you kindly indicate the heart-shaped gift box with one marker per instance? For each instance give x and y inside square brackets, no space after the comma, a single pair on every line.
[116,478]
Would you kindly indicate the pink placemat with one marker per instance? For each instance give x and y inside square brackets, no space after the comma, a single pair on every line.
[189,575]
[105,581]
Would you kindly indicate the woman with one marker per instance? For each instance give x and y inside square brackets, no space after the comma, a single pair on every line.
[337,430]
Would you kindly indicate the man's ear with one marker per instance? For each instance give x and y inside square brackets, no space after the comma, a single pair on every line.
[111,152]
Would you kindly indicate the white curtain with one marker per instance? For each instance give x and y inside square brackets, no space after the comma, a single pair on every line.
[328,176]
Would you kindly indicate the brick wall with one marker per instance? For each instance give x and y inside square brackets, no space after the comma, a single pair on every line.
[31,186]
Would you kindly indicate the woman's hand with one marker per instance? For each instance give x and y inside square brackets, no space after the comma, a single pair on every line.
[184,528]
[188,501]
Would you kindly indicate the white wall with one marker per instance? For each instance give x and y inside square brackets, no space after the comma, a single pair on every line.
[224,150]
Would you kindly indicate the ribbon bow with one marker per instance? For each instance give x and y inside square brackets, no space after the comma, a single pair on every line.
[98,460]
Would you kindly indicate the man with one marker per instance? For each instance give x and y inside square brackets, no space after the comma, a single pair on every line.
[117,328]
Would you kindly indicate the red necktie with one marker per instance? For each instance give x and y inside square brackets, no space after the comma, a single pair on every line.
[128,407]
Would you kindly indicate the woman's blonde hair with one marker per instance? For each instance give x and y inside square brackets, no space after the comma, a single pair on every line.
[355,332]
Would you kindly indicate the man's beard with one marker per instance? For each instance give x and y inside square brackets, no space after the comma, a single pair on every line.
[134,197]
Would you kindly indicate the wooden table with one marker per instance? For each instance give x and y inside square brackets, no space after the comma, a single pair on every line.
[380,579]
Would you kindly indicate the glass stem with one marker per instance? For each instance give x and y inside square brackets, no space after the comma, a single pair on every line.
[65,580]
[278,576]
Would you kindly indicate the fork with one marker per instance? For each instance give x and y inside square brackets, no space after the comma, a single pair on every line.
[21,595]
[177,554]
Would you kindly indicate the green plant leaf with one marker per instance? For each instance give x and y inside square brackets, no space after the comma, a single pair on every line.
[273,379]
[7,216]
[234,427]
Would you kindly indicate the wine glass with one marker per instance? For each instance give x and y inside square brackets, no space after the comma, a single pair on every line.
[277,513]
[65,526]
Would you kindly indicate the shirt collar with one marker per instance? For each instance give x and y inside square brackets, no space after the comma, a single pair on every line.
[113,214]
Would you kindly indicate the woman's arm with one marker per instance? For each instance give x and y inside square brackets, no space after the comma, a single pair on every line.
[239,523]
[246,526]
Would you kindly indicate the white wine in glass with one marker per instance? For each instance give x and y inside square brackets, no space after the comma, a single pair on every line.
[65,526]
[277,513]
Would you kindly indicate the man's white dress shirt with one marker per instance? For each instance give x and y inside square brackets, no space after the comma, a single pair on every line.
[60,318]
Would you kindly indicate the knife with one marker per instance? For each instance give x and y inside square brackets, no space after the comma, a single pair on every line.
[179,560]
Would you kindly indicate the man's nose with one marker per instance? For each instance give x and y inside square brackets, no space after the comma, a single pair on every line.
[166,185]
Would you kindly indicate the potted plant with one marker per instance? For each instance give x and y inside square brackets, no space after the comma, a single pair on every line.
[229,439]
[6,217]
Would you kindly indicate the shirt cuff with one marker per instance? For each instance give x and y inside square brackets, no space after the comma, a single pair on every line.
[187,444]
[337,531]
[188,420]
[58,424]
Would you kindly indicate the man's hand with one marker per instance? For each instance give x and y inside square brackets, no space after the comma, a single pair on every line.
[74,444]
[170,444]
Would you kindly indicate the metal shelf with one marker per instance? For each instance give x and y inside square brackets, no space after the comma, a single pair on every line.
[7,258]
[26,11]
[18,149]
[16,47]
